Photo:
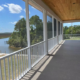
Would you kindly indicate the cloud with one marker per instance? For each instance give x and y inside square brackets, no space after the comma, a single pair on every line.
[14,8]
[1,8]
[13,22]
[21,16]
[5,5]
[33,8]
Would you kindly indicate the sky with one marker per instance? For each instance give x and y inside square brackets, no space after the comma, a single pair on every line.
[13,10]
[69,24]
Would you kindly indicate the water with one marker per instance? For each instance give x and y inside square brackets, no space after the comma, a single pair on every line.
[5,48]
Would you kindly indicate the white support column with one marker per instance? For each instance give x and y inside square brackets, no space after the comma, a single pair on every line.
[53,26]
[28,34]
[57,32]
[45,32]
[62,31]
[60,28]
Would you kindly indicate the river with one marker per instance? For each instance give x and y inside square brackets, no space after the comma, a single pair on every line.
[4,47]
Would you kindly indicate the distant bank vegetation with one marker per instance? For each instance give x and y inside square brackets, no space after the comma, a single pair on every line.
[5,35]
[19,36]
[71,31]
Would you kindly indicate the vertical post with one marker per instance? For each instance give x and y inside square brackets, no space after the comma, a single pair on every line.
[12,69]
[53,26]
[62,31]
[0,71]
[57,32]
[9,69]
[45,32]
[60,28]
[28,34]
[14,66]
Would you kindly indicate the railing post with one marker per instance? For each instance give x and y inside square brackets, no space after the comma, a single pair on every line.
[60,28]
[28,34]
[45,32]
[0,71]
[62,31]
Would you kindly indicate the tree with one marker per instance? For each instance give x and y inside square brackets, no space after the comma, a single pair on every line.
[36,27]
[19,37]
[71,30]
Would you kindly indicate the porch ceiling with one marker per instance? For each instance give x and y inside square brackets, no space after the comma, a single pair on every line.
[65,9]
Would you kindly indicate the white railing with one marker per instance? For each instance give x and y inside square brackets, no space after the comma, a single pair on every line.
[51,43]
[37,52]
[60,38]
[15,65]
[71,36]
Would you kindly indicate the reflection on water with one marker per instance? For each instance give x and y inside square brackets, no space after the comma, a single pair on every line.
[4,47]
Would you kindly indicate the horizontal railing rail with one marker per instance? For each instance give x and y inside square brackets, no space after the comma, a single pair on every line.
[10,54]
[71,34]
[15,65]
[37,43]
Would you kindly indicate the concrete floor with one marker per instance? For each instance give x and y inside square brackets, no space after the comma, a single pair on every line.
[63,63]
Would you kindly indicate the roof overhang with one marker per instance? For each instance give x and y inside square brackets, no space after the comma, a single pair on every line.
[63,10]
[40,5]
[67,10]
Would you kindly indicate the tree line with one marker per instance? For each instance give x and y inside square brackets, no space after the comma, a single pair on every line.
[71,29]
[19,36]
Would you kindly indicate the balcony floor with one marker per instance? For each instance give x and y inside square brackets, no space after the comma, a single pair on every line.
[65,65]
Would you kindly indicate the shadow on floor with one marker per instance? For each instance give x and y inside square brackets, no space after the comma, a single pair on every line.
[30,75]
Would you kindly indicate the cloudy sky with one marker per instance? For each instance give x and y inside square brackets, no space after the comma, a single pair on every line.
[11,11]
[69,24]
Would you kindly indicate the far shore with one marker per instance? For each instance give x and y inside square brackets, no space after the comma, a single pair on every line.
[15,47]
[2,54]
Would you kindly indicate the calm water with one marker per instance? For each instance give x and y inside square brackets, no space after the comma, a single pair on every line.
[4,47]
